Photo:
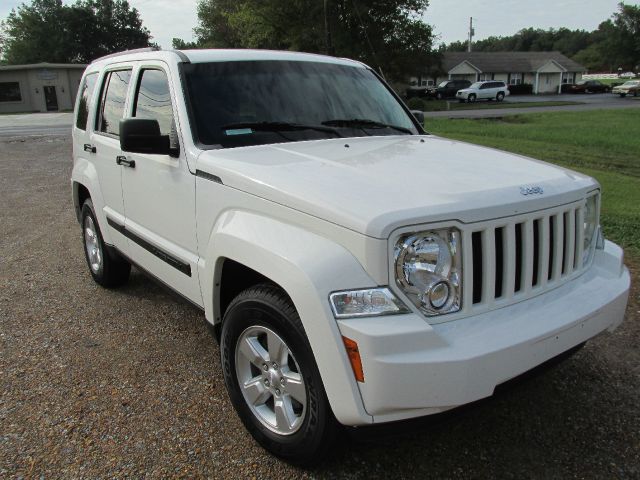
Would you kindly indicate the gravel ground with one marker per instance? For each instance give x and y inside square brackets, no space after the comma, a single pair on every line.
[126,383]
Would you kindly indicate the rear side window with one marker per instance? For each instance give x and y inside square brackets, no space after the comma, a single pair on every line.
[114,94]
[86,92]
[153,99]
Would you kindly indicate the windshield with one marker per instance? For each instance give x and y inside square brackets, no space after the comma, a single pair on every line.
[476,85]
[246,103]
[633,83]
[443,84]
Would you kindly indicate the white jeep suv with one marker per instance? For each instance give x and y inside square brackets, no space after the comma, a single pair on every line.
[355,269]
[491,90]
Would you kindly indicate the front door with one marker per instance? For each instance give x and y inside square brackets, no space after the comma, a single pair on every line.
[105,140]
[50,98]
[159,194]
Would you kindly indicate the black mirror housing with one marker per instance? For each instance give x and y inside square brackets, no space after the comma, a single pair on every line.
[142,135]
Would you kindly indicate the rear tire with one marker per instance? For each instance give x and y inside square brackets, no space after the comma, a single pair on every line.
[500,96]
[272,377]
[106,267]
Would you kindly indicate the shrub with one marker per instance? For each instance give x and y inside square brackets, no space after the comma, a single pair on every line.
[416,104]
[522,89]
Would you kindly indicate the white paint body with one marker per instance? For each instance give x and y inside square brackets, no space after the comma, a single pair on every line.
[317,217]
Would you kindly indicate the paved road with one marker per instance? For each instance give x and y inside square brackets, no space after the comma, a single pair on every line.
[34,124]
[589,102]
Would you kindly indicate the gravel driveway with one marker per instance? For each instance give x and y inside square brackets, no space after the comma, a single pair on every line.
[126,383]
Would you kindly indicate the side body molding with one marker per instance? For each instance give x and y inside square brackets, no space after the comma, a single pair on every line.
[309,267]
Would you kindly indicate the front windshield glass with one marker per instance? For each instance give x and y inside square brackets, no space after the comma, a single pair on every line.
[246,103]
[631,83]
[476,85]
[443,84]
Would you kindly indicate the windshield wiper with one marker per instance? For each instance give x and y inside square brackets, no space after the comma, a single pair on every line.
[364,123]
[279,127]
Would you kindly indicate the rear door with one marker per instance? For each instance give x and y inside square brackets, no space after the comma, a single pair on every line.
[159,191]
[105,140]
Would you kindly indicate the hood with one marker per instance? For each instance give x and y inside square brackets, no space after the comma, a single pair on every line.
[373,185]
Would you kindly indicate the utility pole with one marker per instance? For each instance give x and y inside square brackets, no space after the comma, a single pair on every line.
[327,30]
[472,32]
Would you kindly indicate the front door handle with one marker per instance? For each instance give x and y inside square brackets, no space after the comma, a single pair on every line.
[121,160]
[89,148]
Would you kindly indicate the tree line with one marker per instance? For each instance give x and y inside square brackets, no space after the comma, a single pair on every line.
[614,44]
[389,35]
[49,31]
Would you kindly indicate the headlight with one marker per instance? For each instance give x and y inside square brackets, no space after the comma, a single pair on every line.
[590,228]
[428,270]
[368,302]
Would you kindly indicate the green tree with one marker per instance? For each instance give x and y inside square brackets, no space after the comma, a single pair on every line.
[389,35]
[48,31]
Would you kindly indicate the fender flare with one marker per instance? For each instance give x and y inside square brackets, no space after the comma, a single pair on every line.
[308,267]
[84,173]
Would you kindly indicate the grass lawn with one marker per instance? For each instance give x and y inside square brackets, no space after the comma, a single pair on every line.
[604,144]
[441,105]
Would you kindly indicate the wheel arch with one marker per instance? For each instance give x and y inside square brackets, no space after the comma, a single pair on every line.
[307,267]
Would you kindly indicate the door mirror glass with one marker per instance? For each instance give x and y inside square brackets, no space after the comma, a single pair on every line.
[142,135]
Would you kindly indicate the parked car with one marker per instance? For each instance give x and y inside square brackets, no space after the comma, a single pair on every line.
[416,91]
[355,269]
[447,89]
[589,86]
[490,90]
[632,87]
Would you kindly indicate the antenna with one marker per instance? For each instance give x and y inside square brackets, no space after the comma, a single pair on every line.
[472,32]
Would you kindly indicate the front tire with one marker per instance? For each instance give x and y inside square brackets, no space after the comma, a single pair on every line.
[471,98]
[272,377]
[106,267]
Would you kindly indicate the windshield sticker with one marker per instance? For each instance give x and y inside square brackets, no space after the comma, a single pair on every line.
[238,131]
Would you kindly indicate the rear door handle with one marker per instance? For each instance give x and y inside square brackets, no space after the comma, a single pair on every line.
[121,160]
[89,148]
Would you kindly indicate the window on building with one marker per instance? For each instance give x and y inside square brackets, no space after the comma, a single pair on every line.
[113,98]
[86,92]
[515,79]
[10,92]
[569,77]
[153,99]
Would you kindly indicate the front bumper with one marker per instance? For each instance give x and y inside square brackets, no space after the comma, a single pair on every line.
[413,369]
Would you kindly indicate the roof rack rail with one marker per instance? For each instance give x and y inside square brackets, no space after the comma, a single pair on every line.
[127,52]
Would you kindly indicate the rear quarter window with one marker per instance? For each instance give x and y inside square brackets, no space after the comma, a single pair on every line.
[84,99]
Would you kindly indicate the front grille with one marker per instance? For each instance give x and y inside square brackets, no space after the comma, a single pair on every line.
[517,257]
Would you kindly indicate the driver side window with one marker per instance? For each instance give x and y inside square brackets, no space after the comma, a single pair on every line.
[153,99]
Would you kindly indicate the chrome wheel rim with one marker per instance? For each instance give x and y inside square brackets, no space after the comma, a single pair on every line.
[270,380]
[92,245]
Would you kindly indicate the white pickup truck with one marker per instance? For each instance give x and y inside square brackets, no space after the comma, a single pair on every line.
[356,269]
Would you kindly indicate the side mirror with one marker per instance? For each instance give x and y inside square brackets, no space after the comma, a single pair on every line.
[419,116]
[142,135]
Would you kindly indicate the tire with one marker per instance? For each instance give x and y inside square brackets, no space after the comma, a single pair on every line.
[500,96]
[439,96]
[635,94]
[106,267]
[622,95]
[471,98]
[258,320]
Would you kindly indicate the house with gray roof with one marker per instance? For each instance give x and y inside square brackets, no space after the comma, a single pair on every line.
[546,71]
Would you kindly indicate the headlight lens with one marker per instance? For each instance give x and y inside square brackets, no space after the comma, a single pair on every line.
[428,269]
[590,227]
[369,302]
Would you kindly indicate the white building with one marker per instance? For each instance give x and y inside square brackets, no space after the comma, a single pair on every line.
[41,87]
[546,71]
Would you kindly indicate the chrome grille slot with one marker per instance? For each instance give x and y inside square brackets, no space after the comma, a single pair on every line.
[510,259]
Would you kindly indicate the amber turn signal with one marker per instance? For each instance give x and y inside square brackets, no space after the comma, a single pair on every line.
[354,358]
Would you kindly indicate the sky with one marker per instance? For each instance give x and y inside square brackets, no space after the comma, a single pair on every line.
[450,18]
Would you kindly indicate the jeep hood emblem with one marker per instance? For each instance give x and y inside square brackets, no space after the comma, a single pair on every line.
[532,190]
